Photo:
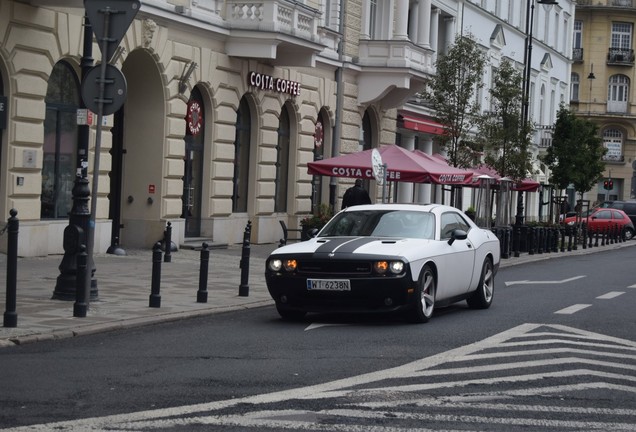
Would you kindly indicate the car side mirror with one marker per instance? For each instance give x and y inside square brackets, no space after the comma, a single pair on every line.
[312,232]
[457,234]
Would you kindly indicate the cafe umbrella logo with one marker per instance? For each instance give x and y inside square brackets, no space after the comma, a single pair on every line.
[194,117]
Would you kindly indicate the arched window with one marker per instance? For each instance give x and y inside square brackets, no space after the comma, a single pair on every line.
[60,142]
[613,141]
[282,162]
[241,158]
[617,94]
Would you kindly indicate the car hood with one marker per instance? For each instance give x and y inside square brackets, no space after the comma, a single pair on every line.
[334,246]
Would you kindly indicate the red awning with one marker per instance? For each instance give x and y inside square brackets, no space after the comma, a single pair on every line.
[402,165]
[421,124]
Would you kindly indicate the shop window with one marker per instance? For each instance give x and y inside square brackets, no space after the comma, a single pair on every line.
[282,162]
[240,179]
[60,142]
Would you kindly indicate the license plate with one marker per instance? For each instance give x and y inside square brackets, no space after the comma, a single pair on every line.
[329,284]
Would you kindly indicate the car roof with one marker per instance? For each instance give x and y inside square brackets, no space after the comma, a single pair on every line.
[395,206]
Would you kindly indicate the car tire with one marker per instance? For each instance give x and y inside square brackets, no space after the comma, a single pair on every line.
[628,234]
[424,303]
[290,314]
[483,295]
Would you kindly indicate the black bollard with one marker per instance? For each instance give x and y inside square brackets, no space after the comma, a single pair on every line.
[80,306]
[244,288]
[596,234]
[531,240]
[584,235]
[562,234]
[10,314]
[603,236]
[155,296]
[167,242]
[516,240]
[569,231]
[202,293]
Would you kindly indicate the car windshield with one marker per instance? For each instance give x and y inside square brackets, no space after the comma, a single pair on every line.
[382,223]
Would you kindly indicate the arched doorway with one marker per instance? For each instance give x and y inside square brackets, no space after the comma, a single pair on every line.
[193,164]
[60,142]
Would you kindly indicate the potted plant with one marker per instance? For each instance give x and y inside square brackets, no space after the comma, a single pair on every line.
[315,221]
[470,212]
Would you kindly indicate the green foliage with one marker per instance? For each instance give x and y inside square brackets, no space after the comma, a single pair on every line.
[575,155]
[452,95]
[317,220]
[502,132]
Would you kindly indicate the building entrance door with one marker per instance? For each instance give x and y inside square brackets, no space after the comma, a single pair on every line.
[193,166]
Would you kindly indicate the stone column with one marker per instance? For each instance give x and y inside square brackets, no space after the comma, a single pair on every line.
[405,190]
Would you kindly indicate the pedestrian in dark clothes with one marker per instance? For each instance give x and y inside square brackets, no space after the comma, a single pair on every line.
[355,195]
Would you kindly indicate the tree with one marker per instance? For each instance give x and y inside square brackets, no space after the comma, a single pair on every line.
[503,134]
[452,92]
[575,156]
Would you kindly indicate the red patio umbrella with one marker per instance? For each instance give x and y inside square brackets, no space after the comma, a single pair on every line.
[525,185]
[402,165]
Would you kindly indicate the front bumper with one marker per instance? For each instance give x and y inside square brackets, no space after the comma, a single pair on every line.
[367,294]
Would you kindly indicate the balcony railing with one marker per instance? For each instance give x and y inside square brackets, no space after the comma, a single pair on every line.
[577,54]
[282,16]
[620,56]
[606,3]
[545,136]
[614,158]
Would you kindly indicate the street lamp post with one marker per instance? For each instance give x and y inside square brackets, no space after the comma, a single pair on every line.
[527,68]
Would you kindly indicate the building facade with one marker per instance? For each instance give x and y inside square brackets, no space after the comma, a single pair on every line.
[226,103]
[501,29]
[602,89]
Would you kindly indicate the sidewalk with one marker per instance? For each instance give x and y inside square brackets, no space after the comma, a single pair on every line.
[124,284]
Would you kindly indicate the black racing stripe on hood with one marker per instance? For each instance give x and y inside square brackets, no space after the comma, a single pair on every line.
[331,244]
[347,245]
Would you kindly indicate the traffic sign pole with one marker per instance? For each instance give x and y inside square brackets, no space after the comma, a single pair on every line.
[101,13]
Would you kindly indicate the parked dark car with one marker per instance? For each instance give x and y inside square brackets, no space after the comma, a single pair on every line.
[628,206]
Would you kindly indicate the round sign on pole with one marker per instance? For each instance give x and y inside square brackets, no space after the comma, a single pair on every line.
[114,89]
[378,166]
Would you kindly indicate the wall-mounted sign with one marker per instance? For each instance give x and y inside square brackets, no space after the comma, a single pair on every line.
[151,188]
[3,112]
[318,134]
[194,117]
[266,82]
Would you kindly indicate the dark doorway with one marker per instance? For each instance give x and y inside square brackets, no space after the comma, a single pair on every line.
[193,165]
[116,173]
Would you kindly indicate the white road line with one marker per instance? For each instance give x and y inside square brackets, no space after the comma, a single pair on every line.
[550,282]
[572,309]
[610,295]
[632,286]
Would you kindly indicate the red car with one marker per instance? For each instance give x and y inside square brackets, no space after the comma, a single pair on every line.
[604,218]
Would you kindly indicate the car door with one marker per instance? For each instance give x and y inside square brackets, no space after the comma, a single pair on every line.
[600,220]
[456,266]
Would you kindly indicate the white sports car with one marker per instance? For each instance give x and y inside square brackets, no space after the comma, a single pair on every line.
[386,257]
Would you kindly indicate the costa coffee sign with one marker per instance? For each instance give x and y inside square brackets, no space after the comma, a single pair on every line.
[279,85]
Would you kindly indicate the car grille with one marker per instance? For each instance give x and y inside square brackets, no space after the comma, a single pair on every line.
[334,267]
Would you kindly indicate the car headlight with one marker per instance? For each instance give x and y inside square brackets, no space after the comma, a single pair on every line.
[277,264]
[571,223]
[394,267]
[290,264]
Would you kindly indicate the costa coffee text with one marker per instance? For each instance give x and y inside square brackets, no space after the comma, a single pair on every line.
[266,82]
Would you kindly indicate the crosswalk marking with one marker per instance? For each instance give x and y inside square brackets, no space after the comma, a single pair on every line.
[575,363]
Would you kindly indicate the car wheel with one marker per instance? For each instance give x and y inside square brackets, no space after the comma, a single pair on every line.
[628,234]
[482,297]
[290,314]
[425,300]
